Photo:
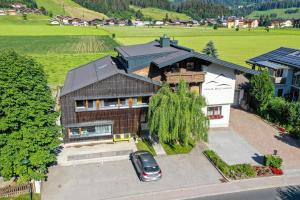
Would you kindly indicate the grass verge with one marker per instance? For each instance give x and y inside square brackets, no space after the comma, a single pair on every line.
[145,145]
[172,149]
[22,197]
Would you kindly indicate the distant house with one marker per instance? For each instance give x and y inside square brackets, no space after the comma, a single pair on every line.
[159,23]
[2,12]
[122,22]
[287,23]
[138,23]
[11,12]
[231,23]
[281,23]
[75,21]
[284,68]
[95,22]
[54,22]
[296,23]
[18,6]
[250,23]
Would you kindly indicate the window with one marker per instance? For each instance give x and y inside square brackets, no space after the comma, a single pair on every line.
[123,102]
[214,111]
[81,104]
[111,102]
[91,104]
[90,131]
[145,100]
[278,73]
[280,92]
[74,131]
[190,66]
[175,67]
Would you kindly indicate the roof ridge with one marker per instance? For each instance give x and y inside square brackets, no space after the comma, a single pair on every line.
[89,63]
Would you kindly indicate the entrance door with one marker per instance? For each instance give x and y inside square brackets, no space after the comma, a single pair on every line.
[236,101]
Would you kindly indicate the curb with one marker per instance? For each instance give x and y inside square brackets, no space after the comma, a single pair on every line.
[216,189]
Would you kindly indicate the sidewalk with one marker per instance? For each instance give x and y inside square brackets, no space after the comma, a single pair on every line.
[220,188]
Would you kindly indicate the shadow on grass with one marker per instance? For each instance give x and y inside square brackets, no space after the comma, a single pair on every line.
[172,149]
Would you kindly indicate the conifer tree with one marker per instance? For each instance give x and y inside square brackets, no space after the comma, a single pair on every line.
[210,49]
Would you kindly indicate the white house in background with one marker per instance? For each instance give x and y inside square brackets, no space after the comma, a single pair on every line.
[287,23]
[54,22]
[159,23]
[2,13]
[138,23]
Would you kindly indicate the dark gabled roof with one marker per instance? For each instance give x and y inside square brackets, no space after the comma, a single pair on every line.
[144,49]
[172,58]
[226,64]
[181,55]
[96,71]
[282,55]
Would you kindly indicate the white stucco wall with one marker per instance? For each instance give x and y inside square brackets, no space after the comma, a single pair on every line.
[218,90]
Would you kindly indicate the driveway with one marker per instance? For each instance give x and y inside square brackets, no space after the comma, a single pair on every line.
[232,148]
[118,178]
[265,138]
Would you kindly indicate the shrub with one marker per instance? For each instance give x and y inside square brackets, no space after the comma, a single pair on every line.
[242,171]
[273,161]
[232,171]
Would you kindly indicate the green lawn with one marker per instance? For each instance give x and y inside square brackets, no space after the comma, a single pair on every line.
[69,7]
[159,14]
[32,19]
[172,149]
[58,44]
[58,65]
[22,197]
[44,29]
[280,13]
[144,144]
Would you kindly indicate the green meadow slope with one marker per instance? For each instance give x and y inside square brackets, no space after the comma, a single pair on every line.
[159,14]
[280,13]
[68,7]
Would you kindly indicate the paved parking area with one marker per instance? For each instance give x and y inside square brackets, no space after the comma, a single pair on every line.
[118,178]
[266,138]
[232,148]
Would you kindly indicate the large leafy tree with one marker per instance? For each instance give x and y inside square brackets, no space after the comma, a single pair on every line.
[210,49]
[28,130]
[262,89]
[177,116]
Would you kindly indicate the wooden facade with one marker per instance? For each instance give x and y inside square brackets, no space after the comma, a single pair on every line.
[124,120]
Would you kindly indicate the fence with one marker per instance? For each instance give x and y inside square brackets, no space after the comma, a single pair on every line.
[10,191]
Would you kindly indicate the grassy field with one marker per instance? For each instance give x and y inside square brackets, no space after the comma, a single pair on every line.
[68,7]
[280,13]
[60,48]
[44,30]
[18,20]
[58,44]
[233,46]
[58,65]
[159,14]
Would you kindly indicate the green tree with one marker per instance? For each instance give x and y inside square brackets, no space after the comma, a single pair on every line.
[177,116]
[24,16]
[262,89]
[28,127]
[210,49]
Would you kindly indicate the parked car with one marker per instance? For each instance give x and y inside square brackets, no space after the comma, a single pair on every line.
[146,166]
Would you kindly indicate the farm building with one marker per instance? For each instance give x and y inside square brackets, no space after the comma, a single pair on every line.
[108,98]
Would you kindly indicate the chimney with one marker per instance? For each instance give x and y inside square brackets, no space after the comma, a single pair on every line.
[164,41]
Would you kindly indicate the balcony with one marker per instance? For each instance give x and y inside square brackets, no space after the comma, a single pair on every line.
[279,80]
[189,77]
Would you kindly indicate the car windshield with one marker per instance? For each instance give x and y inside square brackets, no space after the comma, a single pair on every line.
[151,169]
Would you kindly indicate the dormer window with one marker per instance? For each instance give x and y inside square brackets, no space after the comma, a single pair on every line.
[175,67]
[190,66]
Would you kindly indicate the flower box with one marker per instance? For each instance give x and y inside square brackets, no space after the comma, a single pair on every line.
[276,171]
[215,116]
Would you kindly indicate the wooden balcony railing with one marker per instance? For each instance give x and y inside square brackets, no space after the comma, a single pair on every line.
[189,77]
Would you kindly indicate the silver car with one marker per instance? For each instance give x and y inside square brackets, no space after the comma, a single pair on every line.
[146,167]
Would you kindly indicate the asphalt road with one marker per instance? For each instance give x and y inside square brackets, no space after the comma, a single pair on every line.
[284,193]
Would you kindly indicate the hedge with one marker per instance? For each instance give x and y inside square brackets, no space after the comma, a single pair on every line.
[284,113]
[238,171]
